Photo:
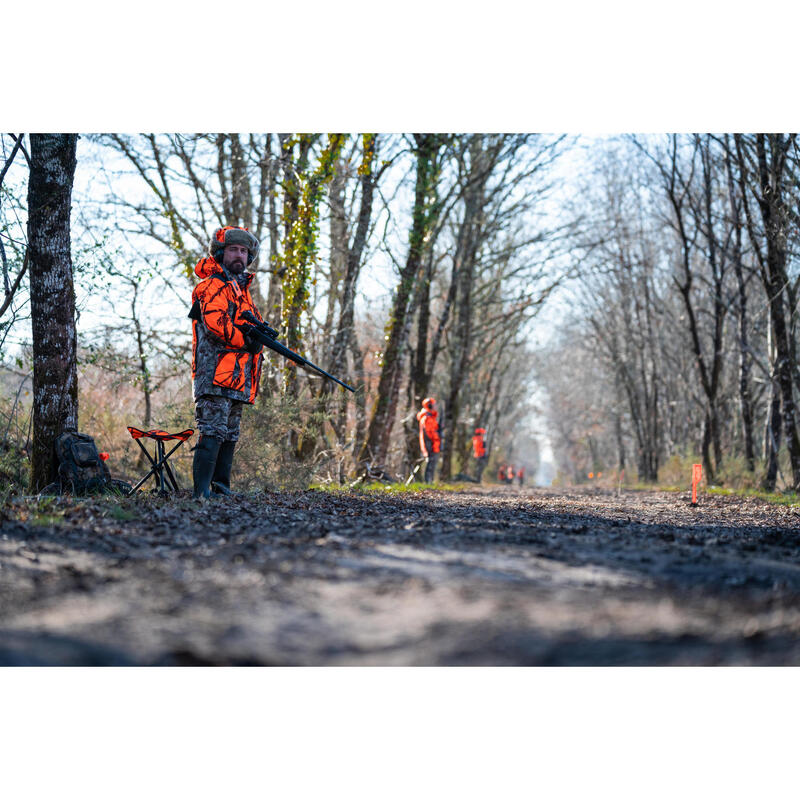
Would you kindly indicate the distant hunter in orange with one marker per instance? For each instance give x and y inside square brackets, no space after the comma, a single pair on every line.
[479,451]
[430,440]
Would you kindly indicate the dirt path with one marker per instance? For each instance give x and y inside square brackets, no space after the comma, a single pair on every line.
[483,577]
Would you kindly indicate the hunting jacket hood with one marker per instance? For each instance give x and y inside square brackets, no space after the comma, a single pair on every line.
[221,364]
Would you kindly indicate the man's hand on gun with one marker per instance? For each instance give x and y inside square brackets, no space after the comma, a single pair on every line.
[257,334]
[254,322]
[251,331]
[251,344]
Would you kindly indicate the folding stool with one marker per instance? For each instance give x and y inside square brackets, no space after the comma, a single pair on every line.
[159,466]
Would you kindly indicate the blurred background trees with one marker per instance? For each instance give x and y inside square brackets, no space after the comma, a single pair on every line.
[685,325]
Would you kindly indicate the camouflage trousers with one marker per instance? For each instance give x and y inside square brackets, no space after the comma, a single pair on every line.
[218,417]
[430,467]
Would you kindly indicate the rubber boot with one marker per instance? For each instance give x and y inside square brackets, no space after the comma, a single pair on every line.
[221,482]
[205,459]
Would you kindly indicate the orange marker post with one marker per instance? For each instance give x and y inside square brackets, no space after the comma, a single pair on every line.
[697,476]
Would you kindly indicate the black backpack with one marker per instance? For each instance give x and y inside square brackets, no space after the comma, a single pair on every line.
[80,468]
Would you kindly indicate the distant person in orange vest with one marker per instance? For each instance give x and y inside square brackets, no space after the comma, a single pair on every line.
[521,475]
[430,440]
[479,451]
[501,473]
[510,474]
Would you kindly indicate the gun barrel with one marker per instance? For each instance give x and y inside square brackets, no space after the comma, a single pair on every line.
[283,350]
[328,375]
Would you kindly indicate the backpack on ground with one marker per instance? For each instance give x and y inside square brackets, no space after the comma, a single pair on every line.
[80,468]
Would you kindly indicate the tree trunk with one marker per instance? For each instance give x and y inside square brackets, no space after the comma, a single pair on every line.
[381,423]
[745,400]
[302,194]
[695,216]
[769,188]
[241,197]
[360,432]
[462,347]
[620,443]
[469,237]
[144,372]
[337,258]
[344,331]
[274,298]
[354,255]
[772,439]
[55,381]
[774,214]
[708,464]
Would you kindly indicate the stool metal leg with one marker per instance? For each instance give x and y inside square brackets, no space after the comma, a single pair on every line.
[171,474]
[159,466]
[152,468]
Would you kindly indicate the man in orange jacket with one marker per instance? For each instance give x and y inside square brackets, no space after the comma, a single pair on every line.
[479,451]
[226,363]
[430,440]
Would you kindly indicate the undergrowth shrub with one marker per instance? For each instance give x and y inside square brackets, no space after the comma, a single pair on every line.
[107,406]
[15,468]
[735,475]
[271,430]
[15,421]
[677,470]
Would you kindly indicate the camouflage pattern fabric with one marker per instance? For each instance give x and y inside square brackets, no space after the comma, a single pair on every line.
[219,417]
[481,465]
[221,363]
[207,360]
[430,467]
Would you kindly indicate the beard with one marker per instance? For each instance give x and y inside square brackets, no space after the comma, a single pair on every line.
[236,266]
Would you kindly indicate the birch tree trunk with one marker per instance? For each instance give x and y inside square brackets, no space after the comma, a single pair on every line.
[55,383]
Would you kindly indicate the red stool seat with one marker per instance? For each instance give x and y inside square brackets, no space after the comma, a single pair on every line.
[160,435]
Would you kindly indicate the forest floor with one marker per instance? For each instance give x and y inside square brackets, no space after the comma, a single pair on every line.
[482,576]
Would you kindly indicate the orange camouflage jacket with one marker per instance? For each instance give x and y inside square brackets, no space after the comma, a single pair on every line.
[429,438]
[221,364]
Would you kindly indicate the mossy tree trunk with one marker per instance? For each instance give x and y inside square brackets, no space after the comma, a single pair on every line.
[424,217]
